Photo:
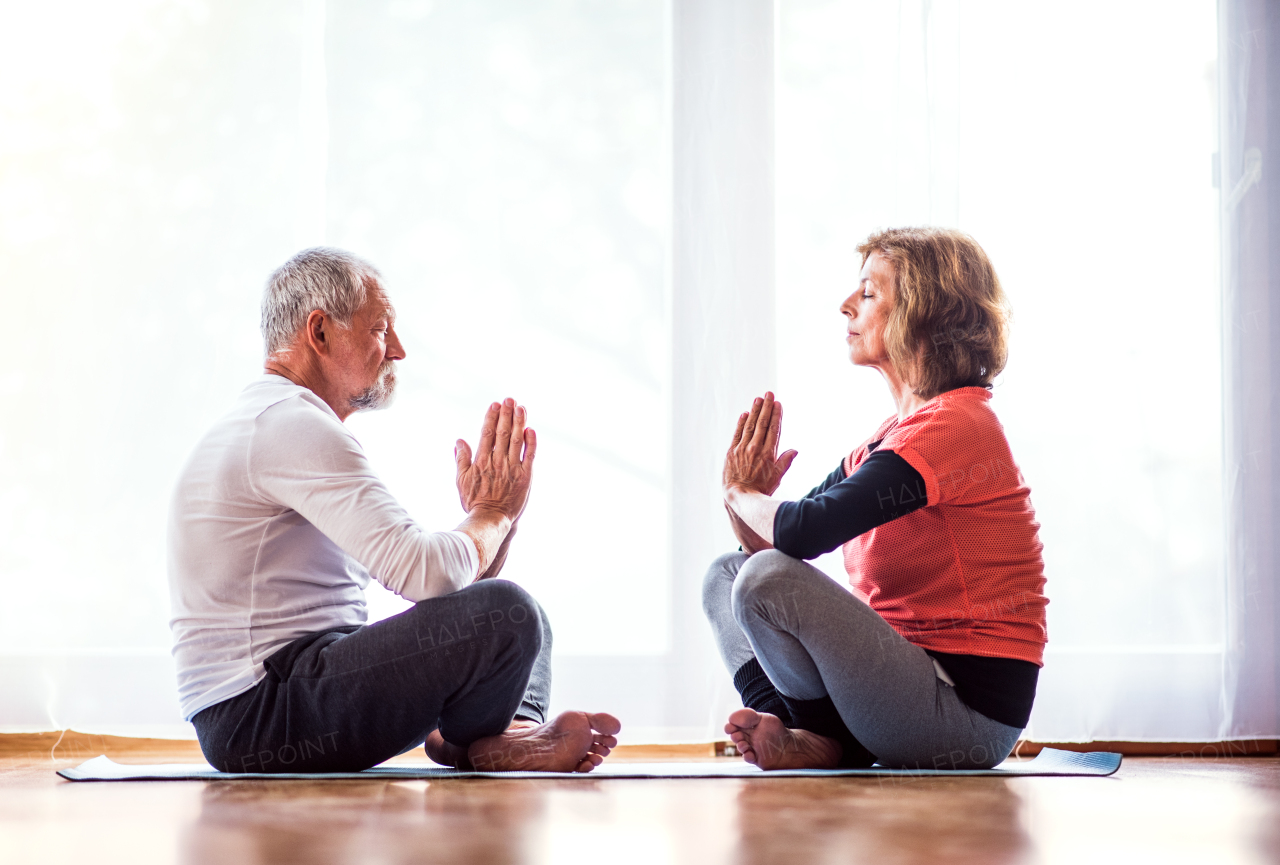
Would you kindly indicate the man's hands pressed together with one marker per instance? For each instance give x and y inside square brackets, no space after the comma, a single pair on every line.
[752,471]
[494,485]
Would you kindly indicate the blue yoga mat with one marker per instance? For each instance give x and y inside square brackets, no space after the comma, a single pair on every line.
[1049,762]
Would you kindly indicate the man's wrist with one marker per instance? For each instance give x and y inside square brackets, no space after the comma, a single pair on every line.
[489,514]
[487,527]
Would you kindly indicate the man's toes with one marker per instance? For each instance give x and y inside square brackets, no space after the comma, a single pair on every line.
[745,718]
[603,722]
[609,742]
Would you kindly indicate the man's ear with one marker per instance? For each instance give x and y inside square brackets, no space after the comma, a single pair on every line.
[317,332]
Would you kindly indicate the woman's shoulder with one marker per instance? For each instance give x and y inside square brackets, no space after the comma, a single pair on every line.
[965,411]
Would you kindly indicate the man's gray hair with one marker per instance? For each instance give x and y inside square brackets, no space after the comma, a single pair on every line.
[330,280]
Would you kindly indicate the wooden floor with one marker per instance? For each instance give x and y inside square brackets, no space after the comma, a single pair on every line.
[1160,810]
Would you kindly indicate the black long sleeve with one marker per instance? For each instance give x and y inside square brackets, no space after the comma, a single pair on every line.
[882,489]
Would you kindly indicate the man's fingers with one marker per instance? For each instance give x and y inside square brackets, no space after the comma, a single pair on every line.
[530,448]
[502,442]
[784,462]
[737,433]
[462,455]
[488,430]
[517,436]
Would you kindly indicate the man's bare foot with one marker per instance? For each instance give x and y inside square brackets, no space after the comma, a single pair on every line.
[764,740]
[572,742]
[449,754]
[446,753]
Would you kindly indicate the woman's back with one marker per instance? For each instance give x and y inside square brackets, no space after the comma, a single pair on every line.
[964,574]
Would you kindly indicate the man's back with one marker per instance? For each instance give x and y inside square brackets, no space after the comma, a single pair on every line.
[275,524]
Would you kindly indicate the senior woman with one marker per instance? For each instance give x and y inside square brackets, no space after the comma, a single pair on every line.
[931,661]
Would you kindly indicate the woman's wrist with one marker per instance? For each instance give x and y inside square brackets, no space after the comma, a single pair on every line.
[754,508]
[737,494]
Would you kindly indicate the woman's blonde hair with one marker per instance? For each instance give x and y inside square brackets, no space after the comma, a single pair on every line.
[949,325]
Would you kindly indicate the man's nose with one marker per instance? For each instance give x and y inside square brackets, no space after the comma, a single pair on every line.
[395,349]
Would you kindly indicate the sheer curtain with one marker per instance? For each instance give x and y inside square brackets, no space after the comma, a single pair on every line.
[1249,88]
[1077,144]
[634,216]
[505,165]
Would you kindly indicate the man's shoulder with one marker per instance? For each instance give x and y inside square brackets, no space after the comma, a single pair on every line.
[273,401]
[290,423]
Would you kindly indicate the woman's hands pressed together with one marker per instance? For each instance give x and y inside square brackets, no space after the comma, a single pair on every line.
[752,471]
[753,463]
[493,485]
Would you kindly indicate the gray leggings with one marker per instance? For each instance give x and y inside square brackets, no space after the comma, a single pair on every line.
[814,638]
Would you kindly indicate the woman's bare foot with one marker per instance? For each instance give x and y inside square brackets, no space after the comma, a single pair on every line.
[764,740]
[572,742]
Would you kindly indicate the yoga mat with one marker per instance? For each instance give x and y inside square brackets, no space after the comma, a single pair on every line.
[1049,762]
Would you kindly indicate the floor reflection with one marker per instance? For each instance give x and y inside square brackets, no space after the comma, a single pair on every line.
[881,820]
[339,822]
[754,822]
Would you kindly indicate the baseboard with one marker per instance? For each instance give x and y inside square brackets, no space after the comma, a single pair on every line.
[1241,748]
[72,745]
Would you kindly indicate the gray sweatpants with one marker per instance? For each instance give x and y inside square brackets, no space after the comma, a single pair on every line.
[814,638]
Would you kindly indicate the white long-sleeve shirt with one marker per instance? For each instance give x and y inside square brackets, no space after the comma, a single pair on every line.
[277,523]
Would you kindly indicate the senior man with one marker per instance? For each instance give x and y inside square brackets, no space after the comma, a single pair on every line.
[278,523]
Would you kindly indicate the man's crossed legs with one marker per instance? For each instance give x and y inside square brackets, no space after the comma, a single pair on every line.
[453,672]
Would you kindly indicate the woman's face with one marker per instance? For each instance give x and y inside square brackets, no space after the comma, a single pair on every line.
[867,312]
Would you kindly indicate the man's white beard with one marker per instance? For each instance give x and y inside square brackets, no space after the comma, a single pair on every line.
[379,394]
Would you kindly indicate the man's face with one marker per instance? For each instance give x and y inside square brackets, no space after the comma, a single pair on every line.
[363,357]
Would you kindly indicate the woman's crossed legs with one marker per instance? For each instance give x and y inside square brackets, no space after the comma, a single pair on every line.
[850,685]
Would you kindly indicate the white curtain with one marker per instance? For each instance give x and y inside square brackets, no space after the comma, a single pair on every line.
[634,216]
[1077,144]
[1249,88]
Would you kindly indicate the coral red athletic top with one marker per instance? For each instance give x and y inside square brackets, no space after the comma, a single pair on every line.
[963,574]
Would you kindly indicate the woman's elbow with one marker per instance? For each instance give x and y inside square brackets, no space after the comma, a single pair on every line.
[802,549]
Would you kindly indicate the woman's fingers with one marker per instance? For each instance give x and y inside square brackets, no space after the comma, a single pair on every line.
[775,428]
[516,443]
[764,418]
[749,429]
[488,431]
[784,462]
